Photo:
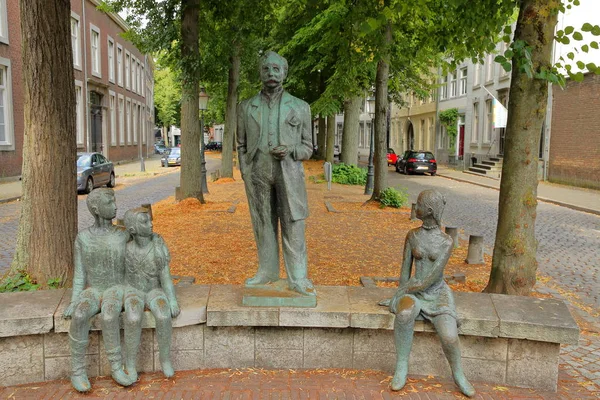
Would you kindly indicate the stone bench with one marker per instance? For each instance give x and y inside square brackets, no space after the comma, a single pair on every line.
[506,340]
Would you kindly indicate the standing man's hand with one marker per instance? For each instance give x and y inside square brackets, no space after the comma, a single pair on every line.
[280,152]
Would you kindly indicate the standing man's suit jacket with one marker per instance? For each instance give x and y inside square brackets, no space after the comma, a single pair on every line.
[294,132]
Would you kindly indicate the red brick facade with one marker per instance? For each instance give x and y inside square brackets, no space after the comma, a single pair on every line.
[575,137]
[94,87]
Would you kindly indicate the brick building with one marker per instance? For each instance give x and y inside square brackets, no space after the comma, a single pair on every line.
[113,86]
[574,153]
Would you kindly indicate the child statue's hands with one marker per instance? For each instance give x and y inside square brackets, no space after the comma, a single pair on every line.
[69,310]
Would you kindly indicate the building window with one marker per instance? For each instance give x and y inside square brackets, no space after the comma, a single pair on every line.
[489,120]
[442,137]
[95,50]
[444,88]
[79,110]
[143,124]
[463,81]
[453,84]
[113,119]
[489,71]
[128,118]
[135,123]
[475,126]
[143,82]
[133,78]
[3,22]
[121,120]
[6,114]
[139,73]
[431,126]
[127,66]
[111,60]
[477,78]
[119,65]
[76,40]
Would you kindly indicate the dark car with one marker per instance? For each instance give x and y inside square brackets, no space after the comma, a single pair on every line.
[417,161]
[160,148]
[218,146]
[94,170]
[172,157]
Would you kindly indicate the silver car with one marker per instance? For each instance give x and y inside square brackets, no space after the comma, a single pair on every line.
[94,170]
[171,158]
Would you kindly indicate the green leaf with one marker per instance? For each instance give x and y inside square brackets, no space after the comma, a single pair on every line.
[578,77]
[591,66]
[508,29]
[585,48]
[560,33]
[576,2]
[500,59]
[577,36]
[587,27]
[565,40]
[571,56]
[568,67]
[594,45]
[595,30]
[569,30]
[508,54]
[507,66]
[580,64]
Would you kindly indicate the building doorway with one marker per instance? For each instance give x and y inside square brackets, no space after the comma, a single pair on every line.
[96,121]
[410,136]
[461,137]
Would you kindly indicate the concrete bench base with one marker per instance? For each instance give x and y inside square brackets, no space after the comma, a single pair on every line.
[502,341]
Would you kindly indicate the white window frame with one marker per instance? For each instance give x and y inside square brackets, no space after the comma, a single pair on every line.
[475,124]
[477,76]
[7,98]
[95,55]
[110,45]
[489,117]
[134,118]
[128,120]
[143,124]
[489,68]
[3,22]
[143,82]
[121,107]
[454,84]
[444,87]
[139,72]
[80,97]
[76,45]
[133,75]
[127,69]
[112,108]
[119,65]
[462,87]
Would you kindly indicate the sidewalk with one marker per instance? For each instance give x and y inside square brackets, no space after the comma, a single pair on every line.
[11,190]
[587,200]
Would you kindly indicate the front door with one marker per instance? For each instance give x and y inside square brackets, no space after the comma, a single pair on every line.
[410,137]
[461,148]
[96,121]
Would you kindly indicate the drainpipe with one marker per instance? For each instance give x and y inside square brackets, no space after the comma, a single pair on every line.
[85,81]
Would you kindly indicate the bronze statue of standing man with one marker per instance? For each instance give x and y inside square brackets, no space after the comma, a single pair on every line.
[274,137]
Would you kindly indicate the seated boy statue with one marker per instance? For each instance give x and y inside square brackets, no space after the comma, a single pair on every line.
[98,287]
[149,284]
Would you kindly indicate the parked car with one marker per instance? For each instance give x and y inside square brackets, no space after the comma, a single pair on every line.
[94,170]
[336,151]
[218,146]
[417,161]
[172,157]
[392,157]
[160,148]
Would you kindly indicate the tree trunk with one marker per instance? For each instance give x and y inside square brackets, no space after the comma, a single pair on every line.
[349,153]
[330,138]
[48,222]
[190,181]
[381,107]
[230,113]
[514,264]
[321,138]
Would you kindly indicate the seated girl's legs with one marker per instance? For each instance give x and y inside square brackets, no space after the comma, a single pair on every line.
[407,310]
[446,328]
[134,309]
[159,305]
[89,305]
[112,304]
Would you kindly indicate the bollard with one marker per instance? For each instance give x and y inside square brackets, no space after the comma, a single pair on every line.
[178,193]
[413,212]
[453,232]
[142,165]
[149,208]
[475,252]
[328,174]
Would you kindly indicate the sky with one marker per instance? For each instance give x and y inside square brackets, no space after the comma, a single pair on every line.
[587,11]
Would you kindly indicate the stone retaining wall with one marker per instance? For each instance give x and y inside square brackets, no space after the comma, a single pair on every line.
[507,340]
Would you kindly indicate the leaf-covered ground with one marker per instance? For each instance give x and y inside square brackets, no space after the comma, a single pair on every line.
[217,247]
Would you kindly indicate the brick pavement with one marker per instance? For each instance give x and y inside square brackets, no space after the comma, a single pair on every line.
[286,384]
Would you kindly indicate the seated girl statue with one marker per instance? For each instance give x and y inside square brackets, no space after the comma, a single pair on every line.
[149,284]
[425,293]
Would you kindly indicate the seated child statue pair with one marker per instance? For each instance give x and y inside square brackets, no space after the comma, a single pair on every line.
[119,269]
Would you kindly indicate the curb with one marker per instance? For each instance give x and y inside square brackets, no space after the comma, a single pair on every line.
[544,199]
[9,199]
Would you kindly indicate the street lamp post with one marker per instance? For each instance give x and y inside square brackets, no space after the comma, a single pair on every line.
[202,106]
[370,172]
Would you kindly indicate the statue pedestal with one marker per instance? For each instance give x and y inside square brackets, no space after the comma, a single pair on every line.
[276,294]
